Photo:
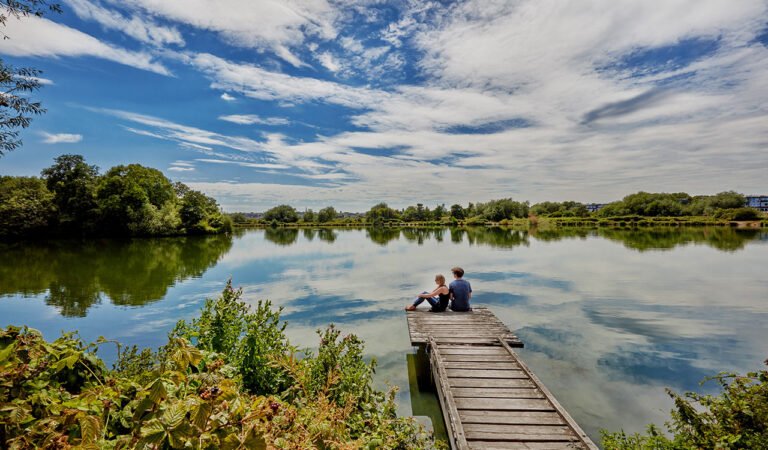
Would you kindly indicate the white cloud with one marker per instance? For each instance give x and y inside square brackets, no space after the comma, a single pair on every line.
[251,119]
[34,36]
[61,138]
[227,98]
[182,166]
[274,25]
[329,62]
[245,164]
[262,84]
[139,28]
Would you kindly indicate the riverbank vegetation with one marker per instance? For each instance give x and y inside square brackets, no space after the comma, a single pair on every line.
[73,199]
[737,418]
[635,210]
[229,379]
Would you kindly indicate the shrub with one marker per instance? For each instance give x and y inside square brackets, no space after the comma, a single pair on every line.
[736,418]
[198,394]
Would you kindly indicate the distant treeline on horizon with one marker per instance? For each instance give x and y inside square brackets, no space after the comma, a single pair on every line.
[728,205]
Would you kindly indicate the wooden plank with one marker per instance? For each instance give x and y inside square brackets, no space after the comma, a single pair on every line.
[474,392]
[560,410]
[477,358]
[520,432]
[470,373]
[512,417]
[472,350]
[495,445]
[498,365]
[491,382]
[447,403]
[504,404]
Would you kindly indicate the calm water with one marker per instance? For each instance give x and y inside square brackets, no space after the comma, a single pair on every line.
[609,318]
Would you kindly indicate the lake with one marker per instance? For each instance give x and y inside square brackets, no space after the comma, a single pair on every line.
[609,318]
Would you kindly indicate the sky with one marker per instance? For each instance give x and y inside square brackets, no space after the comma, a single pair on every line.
[354,102]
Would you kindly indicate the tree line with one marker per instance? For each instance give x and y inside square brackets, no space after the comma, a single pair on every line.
[727,205]
[71,198]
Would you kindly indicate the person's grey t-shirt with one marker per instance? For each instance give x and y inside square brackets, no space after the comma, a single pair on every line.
[460,289]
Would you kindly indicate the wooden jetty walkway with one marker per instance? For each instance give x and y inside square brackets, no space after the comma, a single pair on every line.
[490,399]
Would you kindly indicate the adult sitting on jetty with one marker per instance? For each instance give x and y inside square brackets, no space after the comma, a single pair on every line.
[437,298]
[460,291]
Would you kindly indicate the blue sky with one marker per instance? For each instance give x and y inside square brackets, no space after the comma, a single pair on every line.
[353,102]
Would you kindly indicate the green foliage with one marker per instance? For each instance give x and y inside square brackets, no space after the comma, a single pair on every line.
[457,212]
[673,205]
[380,213]
[743,213]
[497,210]
[200,214]
[282,214]
[246,339]
[737,418]
[130,200]
[60,395]
[308,216]
[74,184]
[26,206]
[327,214]
[560,209]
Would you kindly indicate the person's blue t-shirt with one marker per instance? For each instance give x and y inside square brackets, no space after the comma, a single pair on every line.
[460,289]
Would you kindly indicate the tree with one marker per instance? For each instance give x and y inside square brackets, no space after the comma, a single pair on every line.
[506,208]
[457,212]
[327,214]
[282,214]
[308,216]
[380,212]
[73,183]
[438,212]
[26,206]
[199,213]
[16,110]
[137,200]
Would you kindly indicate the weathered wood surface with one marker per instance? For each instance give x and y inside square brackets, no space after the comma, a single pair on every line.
[479,326]
[489,397]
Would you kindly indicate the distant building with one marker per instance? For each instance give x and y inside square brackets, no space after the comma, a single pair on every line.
[758,202]
[594,207]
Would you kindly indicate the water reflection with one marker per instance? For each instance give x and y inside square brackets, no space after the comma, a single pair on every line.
[607,321]
[74,275]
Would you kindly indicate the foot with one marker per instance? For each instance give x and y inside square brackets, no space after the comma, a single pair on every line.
[410,308]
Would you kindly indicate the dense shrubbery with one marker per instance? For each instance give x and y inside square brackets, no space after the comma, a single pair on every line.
[735,419]
[674,205]
[133,200]
[227,380]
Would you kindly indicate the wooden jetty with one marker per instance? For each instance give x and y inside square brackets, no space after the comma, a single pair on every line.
[490,399]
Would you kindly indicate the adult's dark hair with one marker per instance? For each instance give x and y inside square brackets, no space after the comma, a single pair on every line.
[458,271]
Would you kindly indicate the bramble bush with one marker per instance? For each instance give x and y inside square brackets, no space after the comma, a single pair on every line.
[228,379]
[737,418]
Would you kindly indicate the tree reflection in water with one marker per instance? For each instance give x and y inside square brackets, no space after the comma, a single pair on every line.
[133,272]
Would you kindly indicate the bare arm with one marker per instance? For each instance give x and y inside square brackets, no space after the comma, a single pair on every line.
[440,290]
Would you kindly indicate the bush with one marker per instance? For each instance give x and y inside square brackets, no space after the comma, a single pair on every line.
[735,419]
[200,393]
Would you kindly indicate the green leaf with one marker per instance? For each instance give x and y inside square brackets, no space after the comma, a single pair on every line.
[68,362]
[90,429]
[174,415]
[153,433]
[200,414]
[157,391]
[7,352]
